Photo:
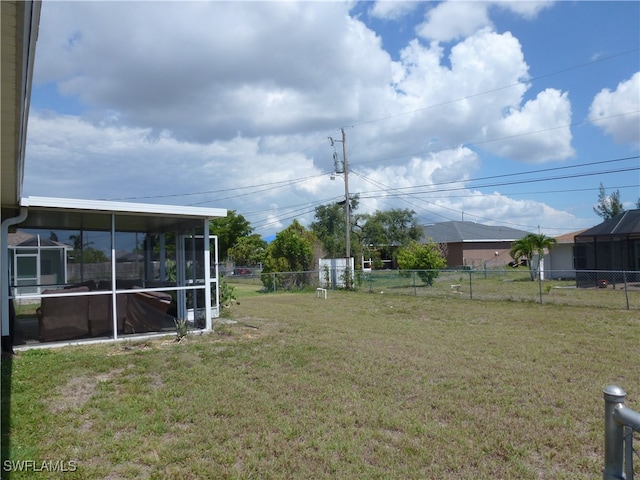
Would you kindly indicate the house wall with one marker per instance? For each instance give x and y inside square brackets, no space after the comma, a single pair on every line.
[455,255]
[479,254]
[558,263]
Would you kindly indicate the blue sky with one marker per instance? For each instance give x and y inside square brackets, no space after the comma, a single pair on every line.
[503,113]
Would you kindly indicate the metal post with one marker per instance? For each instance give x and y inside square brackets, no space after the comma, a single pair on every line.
[470,286]
[206,244]
[613,434]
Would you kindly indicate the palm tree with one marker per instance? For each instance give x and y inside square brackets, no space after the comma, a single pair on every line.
[530,245]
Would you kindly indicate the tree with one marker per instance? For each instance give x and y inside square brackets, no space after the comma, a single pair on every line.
[330,226]
[250,250]
[608,205]
[530,245]
[381,232]
[425,257]
[291,251]
[391,227]
[83,253]
[229,230]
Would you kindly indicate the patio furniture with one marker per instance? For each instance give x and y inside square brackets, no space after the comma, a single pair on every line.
[83,316]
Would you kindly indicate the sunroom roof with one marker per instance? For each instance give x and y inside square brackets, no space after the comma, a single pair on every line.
[76,214]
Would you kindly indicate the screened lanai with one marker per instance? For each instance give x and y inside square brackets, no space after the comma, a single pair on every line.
[131,269]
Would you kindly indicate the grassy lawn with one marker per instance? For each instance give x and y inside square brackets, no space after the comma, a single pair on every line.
[357,386]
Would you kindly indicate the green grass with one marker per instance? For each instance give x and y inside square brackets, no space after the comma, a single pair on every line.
[357,386]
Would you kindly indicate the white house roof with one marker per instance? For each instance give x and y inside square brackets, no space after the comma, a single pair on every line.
[69,213]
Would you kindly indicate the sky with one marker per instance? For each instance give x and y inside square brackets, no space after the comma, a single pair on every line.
[500,113]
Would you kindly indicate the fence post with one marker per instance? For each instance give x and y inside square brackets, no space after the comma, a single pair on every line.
[470,285]
[613,434]
[540,282]
[626,290]
[413,277]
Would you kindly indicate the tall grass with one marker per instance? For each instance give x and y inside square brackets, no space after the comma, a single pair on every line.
[356,386]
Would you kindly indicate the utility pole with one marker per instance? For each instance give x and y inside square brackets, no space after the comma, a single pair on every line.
[347,204]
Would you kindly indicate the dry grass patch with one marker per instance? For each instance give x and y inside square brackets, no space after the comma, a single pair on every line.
[356,386]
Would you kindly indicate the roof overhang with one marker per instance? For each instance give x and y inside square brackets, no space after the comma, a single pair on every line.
[75,214]
[489,240]
[19,31]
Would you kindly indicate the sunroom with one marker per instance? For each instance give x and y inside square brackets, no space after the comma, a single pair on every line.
[132,270]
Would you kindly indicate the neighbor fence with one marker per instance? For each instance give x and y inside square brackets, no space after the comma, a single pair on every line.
[620,425]
[612,289]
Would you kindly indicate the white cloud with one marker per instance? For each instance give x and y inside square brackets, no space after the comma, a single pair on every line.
[618,112]
[449,21]
[131,163]
[392,9]
[526,9]
[487,78]
[456,19]
[216,68]
[549,115]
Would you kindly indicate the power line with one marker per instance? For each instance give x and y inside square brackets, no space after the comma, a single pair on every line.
[542,170]
[232,189]
[549,192]
[402,191]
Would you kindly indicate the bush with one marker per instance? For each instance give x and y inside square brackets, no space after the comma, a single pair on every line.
[425,257]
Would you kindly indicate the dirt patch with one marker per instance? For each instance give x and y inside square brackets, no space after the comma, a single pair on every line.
[78,390]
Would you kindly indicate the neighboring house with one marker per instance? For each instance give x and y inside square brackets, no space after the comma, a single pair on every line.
[36,262]
[474,245]
[111,304]
[612,246]
[559,262]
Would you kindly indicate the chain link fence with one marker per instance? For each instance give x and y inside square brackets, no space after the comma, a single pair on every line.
[608,289]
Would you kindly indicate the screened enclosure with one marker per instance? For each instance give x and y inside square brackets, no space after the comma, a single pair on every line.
[123,270]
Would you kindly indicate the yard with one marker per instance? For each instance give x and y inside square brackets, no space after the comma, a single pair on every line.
[361,385]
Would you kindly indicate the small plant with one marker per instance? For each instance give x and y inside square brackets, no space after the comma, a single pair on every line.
[182,329]
[346,278]
[327,276]
[227,295]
